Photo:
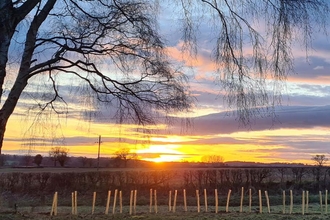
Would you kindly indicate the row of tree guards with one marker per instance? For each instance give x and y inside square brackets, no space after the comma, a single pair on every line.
[172,205]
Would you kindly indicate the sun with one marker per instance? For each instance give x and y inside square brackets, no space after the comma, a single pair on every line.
[161,153]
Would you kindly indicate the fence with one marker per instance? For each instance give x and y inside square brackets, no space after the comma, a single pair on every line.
[172,202]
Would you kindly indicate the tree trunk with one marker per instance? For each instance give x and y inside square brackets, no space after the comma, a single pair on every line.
[2,132]
[9,19]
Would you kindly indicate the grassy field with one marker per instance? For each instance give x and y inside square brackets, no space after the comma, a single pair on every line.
[32,189]
[142,212]
[43,213]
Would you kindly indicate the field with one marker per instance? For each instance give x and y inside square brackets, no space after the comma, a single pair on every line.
[28,193]
[142,213]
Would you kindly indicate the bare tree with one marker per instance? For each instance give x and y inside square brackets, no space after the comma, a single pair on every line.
[59,154]
[78,39]
[109,48]
[320,160]
[124,155]
[253,60]
[212,159]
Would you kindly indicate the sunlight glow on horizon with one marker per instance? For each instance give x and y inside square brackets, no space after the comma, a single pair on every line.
[250,146]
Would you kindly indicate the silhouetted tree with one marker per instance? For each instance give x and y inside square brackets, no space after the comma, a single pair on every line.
[123,154]
[320,160]
[212,159]
[74,38]
[247,55]
[42,40]
[38,159]
[59,154]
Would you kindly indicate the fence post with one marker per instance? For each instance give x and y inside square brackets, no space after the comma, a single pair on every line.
[169,200]
[93,203]
[205,200]
[131,203]
[54,205]
[250,200]
[108,203]
[326,201]
[56,198]
[321,206]
[242,197]
[291,201]
[216,200]
[185,200]
[267,200]
[135,198]
[114,202]
[307,200]
[303,203]
[75,203]
[283,211]
[228,198]
[150,200]
[150,206]
[121,201]
[175,198]
[198,204]
[260,201]
[155,197]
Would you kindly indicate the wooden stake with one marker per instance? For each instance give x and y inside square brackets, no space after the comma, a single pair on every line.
[72,203]
[120,201]
[205,199]
[131,203]
[267,200]
[114,202]
[250,200]
[242,197]
[321,208]
[216,200]
[150,199]
[75,203]
[175,197]
[198,204]
[156,208]
[291,201]
[307,200]
[185,200]
[326,201]
[54,205]
[283,211]
[260,202]
[303,203]
[55,208]
[93,204]
[135,195]
[108,203]
[169,200]
[228,198]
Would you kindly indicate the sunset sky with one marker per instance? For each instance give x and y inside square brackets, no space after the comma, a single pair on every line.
[300,130]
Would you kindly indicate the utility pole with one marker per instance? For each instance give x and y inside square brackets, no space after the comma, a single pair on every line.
[98,153]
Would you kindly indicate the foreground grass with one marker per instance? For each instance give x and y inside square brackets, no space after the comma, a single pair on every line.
[142,212]
[172,216]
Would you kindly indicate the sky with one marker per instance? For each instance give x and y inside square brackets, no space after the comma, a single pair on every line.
[300,129]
